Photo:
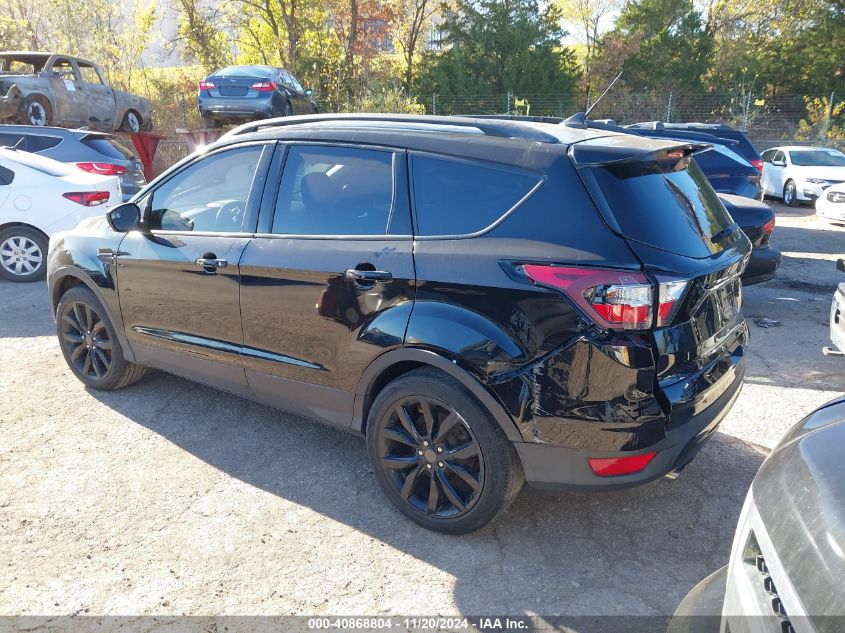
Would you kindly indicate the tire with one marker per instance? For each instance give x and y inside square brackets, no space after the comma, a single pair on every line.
[410,456]
[36,111]
[23,254]
[790,194]
[287,110]
[131,122]
[89,343]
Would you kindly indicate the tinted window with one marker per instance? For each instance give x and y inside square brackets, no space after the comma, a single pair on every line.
[768,155]
[108,147]
[11,140]
[6,176]
[209,195]
[28,142]
[665,203]
[245,71]
[817,158]
[456,198]
[335,191]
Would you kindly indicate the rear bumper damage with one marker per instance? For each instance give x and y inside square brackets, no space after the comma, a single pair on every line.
[599,399]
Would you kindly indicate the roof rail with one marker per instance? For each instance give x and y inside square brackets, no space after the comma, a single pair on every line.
[490,127]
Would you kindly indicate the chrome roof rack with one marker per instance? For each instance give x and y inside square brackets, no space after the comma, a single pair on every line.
[490,127]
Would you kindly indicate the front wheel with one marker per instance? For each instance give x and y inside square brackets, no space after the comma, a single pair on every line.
[36,111]
[790,194]
[23,254]
[439,456]
[89,343]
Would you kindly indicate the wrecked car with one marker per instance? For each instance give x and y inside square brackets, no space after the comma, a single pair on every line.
[69,92]
[485,301]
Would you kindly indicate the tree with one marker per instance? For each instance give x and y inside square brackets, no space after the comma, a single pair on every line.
[587,22]
[495,46]
[414,17]
[201,35]
[667,45]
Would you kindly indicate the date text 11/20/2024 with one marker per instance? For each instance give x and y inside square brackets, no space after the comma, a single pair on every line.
[423,623]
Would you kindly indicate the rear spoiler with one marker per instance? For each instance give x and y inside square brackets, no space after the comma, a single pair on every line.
[609,150]
[87,135]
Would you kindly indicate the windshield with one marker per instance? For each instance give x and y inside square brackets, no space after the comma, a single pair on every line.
[245,71]
[666,203]
[818,158]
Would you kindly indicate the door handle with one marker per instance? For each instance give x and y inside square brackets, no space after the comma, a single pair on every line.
[210,262]
[368,275]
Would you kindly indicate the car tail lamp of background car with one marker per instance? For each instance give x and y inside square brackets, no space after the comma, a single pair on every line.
[102,169]
[264,86]
[206,85]
[88,198]
[768,228]
[758,163]
[614,299]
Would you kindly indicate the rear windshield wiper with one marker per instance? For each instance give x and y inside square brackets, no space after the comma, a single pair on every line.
[728,230]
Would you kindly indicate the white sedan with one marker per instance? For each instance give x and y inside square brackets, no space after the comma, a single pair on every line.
[40,197]
[801,173]
[831,204]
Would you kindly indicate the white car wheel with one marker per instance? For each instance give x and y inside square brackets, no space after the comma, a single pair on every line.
[22,257]
[36,113]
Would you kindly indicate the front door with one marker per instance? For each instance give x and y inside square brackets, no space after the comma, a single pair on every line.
[178,279]
[70,105]
[329,284]
[98,96]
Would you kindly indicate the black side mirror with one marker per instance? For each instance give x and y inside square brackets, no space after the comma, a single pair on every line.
[125,217]
[840,265]
[308,92]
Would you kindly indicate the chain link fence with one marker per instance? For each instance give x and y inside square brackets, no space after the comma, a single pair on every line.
[769,120]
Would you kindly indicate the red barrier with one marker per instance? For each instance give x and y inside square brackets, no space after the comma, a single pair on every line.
[146,144]
[199,137]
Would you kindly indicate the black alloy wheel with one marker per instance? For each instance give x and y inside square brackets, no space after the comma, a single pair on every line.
[87,341]
[434,459]
[439,455]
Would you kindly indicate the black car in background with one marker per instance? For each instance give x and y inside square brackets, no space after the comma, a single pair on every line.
[757,221]
[417,280]
[744,147]
[95,152]
[246,93]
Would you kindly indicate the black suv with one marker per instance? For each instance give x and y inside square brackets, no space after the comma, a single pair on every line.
[486,301]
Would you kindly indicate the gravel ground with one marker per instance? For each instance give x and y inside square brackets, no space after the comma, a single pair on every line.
[173,498]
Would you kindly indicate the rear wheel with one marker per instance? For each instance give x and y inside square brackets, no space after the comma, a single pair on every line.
[23,254]
[790,194]
[439,456]
[89,343]
[131,122]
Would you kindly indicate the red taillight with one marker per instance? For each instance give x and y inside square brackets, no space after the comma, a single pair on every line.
[758,163]
[88,198]
[206,85]
[614,466]
[104,169]
[264,86]
[769,226]
[613,298]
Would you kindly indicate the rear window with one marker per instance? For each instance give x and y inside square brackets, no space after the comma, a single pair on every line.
[108,147]
[665,203]
[458,198]
[245,71]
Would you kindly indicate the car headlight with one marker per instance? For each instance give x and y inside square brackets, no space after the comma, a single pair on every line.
[817,181]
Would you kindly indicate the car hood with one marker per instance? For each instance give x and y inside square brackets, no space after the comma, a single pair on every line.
[799,493]
[828,173]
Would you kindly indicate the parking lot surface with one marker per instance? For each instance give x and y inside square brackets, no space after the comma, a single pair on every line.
[172,498]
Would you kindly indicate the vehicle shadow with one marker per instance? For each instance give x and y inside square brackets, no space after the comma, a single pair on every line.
[554,554]
[31,308]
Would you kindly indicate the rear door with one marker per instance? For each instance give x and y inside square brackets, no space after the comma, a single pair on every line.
[178,279]
[327,283]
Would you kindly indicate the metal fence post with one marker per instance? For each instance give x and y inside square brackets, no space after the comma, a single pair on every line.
[433,103]
[829,117]
[747,109]
[508,104]
[669,108]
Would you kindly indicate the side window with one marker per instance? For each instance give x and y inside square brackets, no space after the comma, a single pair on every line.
[89,74]
[335,191]
[12,140]
[456,198]
[295,83]
[64,70]
[767,155]
[6,176]
[41,143]
[778,157]
[209,195]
